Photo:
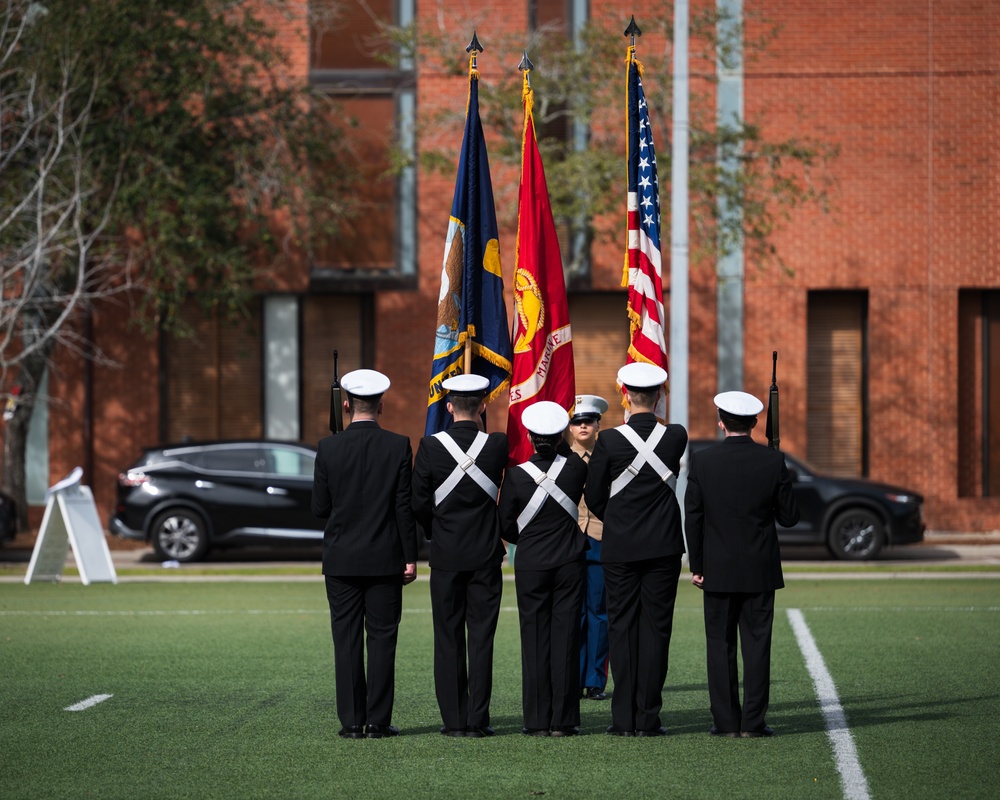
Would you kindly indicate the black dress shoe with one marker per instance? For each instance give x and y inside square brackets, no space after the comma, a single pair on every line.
[766,731]
[714,731]
[352,732]
[593,693]
[660,731]
[456,732]
[568,731]
[479,731]
[380,731]
[613,731]
[534,732]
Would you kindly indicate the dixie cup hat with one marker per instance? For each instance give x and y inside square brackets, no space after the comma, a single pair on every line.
[468,385]
[364,383]
[739,404]
[640,375]
[545,418]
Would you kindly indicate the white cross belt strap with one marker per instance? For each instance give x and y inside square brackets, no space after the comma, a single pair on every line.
[644,455]
[465,465]
[546,482]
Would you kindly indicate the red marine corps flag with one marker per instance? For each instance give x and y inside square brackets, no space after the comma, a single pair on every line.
[643,266]
[543,342]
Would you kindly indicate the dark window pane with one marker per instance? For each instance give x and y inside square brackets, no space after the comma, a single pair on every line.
[349,36]
[367,238]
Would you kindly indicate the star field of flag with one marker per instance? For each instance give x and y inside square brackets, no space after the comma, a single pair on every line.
[642,176]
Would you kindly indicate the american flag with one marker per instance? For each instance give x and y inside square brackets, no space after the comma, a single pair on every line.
[643,265]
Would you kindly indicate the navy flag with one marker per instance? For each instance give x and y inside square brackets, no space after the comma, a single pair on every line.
[472,315]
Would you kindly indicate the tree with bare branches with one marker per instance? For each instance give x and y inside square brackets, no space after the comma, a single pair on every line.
[146,150]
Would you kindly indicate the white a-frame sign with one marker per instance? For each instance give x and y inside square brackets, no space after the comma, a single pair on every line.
[71,520]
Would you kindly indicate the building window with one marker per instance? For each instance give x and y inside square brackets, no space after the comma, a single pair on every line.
[282,384]
[373,92]
[212,381]
[978,393]
[837,372]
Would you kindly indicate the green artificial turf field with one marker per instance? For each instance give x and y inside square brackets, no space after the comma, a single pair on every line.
[225,690]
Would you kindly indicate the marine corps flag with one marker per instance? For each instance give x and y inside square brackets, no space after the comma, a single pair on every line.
[471,333]
[643,273]
[543,342]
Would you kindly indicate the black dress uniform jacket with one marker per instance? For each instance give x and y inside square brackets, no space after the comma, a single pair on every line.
[643,520]
[464,530]
[553,537]
[362,483]
[735,492]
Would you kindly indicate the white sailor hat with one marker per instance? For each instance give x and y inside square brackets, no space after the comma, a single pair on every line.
[470,385]
[364,383]
[640,375]
[545,418]
[739,404]
[588,406]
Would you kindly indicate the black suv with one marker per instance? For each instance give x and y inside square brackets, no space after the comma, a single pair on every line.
[854,517]
[187,498]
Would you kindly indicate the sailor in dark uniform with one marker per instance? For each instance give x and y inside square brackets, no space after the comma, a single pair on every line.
[628,488]
[362,486]
[736,491]
[456,480]
[538,508]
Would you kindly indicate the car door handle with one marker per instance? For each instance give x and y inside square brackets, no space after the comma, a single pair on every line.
[204,484]
[276,490]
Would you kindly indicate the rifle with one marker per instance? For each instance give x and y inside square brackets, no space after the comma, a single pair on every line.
[773,439]
[336,404]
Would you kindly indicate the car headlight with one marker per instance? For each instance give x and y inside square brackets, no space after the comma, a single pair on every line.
[900,498]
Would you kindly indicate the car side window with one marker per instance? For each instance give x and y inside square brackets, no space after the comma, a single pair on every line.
[235,459]
[288,462]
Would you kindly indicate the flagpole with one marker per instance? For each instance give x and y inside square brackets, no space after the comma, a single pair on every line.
[474,48]
[679,236]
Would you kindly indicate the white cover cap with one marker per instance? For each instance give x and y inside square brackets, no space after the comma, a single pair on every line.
[364,383]
[466,384]
[545,418]
[739,404]
[588,405]
[640,375]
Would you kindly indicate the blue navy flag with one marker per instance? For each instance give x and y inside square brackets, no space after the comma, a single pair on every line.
[471,306]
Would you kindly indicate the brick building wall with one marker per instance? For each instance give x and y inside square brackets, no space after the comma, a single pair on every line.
[909,94]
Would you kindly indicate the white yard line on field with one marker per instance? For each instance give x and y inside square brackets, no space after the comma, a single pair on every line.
[90,701]
[852,777]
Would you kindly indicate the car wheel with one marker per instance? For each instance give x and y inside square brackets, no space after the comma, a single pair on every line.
[180,535]
[856,535]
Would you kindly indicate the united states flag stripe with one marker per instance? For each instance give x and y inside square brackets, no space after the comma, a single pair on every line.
[647,340]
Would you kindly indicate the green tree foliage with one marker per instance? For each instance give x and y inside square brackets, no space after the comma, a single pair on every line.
[154,150]
[583,84]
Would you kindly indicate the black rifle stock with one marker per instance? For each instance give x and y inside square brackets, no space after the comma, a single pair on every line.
[773,439]
[336,403]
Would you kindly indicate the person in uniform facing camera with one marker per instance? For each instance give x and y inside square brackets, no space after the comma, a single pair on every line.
[362,486]
[584,424]
[735,492]
[538,508]
[456,480]
[641,549]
